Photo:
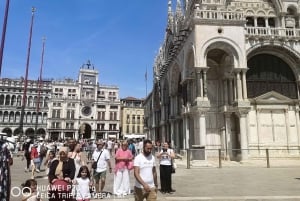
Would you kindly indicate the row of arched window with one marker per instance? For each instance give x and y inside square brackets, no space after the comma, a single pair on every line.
[31,101]
[29,117]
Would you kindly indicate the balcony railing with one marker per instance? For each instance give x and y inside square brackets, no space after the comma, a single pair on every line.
[219,15]
[276,32]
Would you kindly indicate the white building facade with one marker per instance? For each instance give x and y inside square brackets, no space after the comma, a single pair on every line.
[79,109]
[227,77]
[11,99]
[83,109]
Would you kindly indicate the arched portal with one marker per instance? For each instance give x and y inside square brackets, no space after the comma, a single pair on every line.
[85,131]
[222,126]
[29,132]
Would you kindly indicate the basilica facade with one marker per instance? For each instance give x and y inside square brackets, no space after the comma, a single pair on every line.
[227,77]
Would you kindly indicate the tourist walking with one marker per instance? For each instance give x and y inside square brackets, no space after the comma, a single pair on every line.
[35,160]
[166,156]
[49,159]
[26,155]
[6,161]
[77,155]
[123,165]
[145,174]
[102,157]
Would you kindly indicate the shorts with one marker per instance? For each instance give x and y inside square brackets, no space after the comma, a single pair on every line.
[99,175]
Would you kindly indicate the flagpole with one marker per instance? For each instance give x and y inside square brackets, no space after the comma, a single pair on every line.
[146,83]
[3,34]
[26,75]
[39,89]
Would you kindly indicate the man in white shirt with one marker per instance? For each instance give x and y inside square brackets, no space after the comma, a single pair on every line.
[109,145]
[102,163]
[145,174]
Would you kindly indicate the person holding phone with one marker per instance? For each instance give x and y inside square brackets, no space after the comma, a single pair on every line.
[165,157]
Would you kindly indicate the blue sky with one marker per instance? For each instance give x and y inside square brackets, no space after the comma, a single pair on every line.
[121,38]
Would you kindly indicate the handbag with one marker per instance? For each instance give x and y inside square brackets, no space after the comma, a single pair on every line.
[94,164]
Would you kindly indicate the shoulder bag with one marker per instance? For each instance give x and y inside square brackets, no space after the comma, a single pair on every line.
[94,165]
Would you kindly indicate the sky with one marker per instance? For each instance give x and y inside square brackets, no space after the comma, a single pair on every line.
[120,38]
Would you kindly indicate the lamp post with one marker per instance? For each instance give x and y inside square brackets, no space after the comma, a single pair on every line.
[26,75]
[3,34]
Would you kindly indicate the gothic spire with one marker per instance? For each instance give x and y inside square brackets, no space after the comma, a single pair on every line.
[170,17]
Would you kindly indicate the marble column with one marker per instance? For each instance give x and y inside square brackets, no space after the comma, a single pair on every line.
[282,21]
[243,135]
[267,22]
[255,21]
[225,94]
[234,89]
[172,134]
[199,92]
[187,132]
[228,145]
[239,86]
[204,84]
[244,85]
[230,91]
[188,92]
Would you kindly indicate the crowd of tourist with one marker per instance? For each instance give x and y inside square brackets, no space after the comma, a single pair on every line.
[70,172]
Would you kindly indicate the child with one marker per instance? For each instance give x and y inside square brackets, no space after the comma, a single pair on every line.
[83,184]
[50,157]
[30,192]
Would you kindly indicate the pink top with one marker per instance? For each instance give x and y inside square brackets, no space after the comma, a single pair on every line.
[122,154]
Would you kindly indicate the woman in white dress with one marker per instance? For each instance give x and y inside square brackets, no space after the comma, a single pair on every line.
[77,155]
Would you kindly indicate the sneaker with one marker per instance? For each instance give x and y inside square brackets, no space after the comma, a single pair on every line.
[26,169]
[32,177]
[37,170]
[173,190]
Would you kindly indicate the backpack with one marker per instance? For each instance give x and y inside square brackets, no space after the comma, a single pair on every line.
[43,151]
[132,149]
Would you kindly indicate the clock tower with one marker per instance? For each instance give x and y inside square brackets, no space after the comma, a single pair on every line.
[88,85]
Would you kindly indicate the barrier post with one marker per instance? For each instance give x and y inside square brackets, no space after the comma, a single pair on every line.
[188,158]
[220,159]
[268,158]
